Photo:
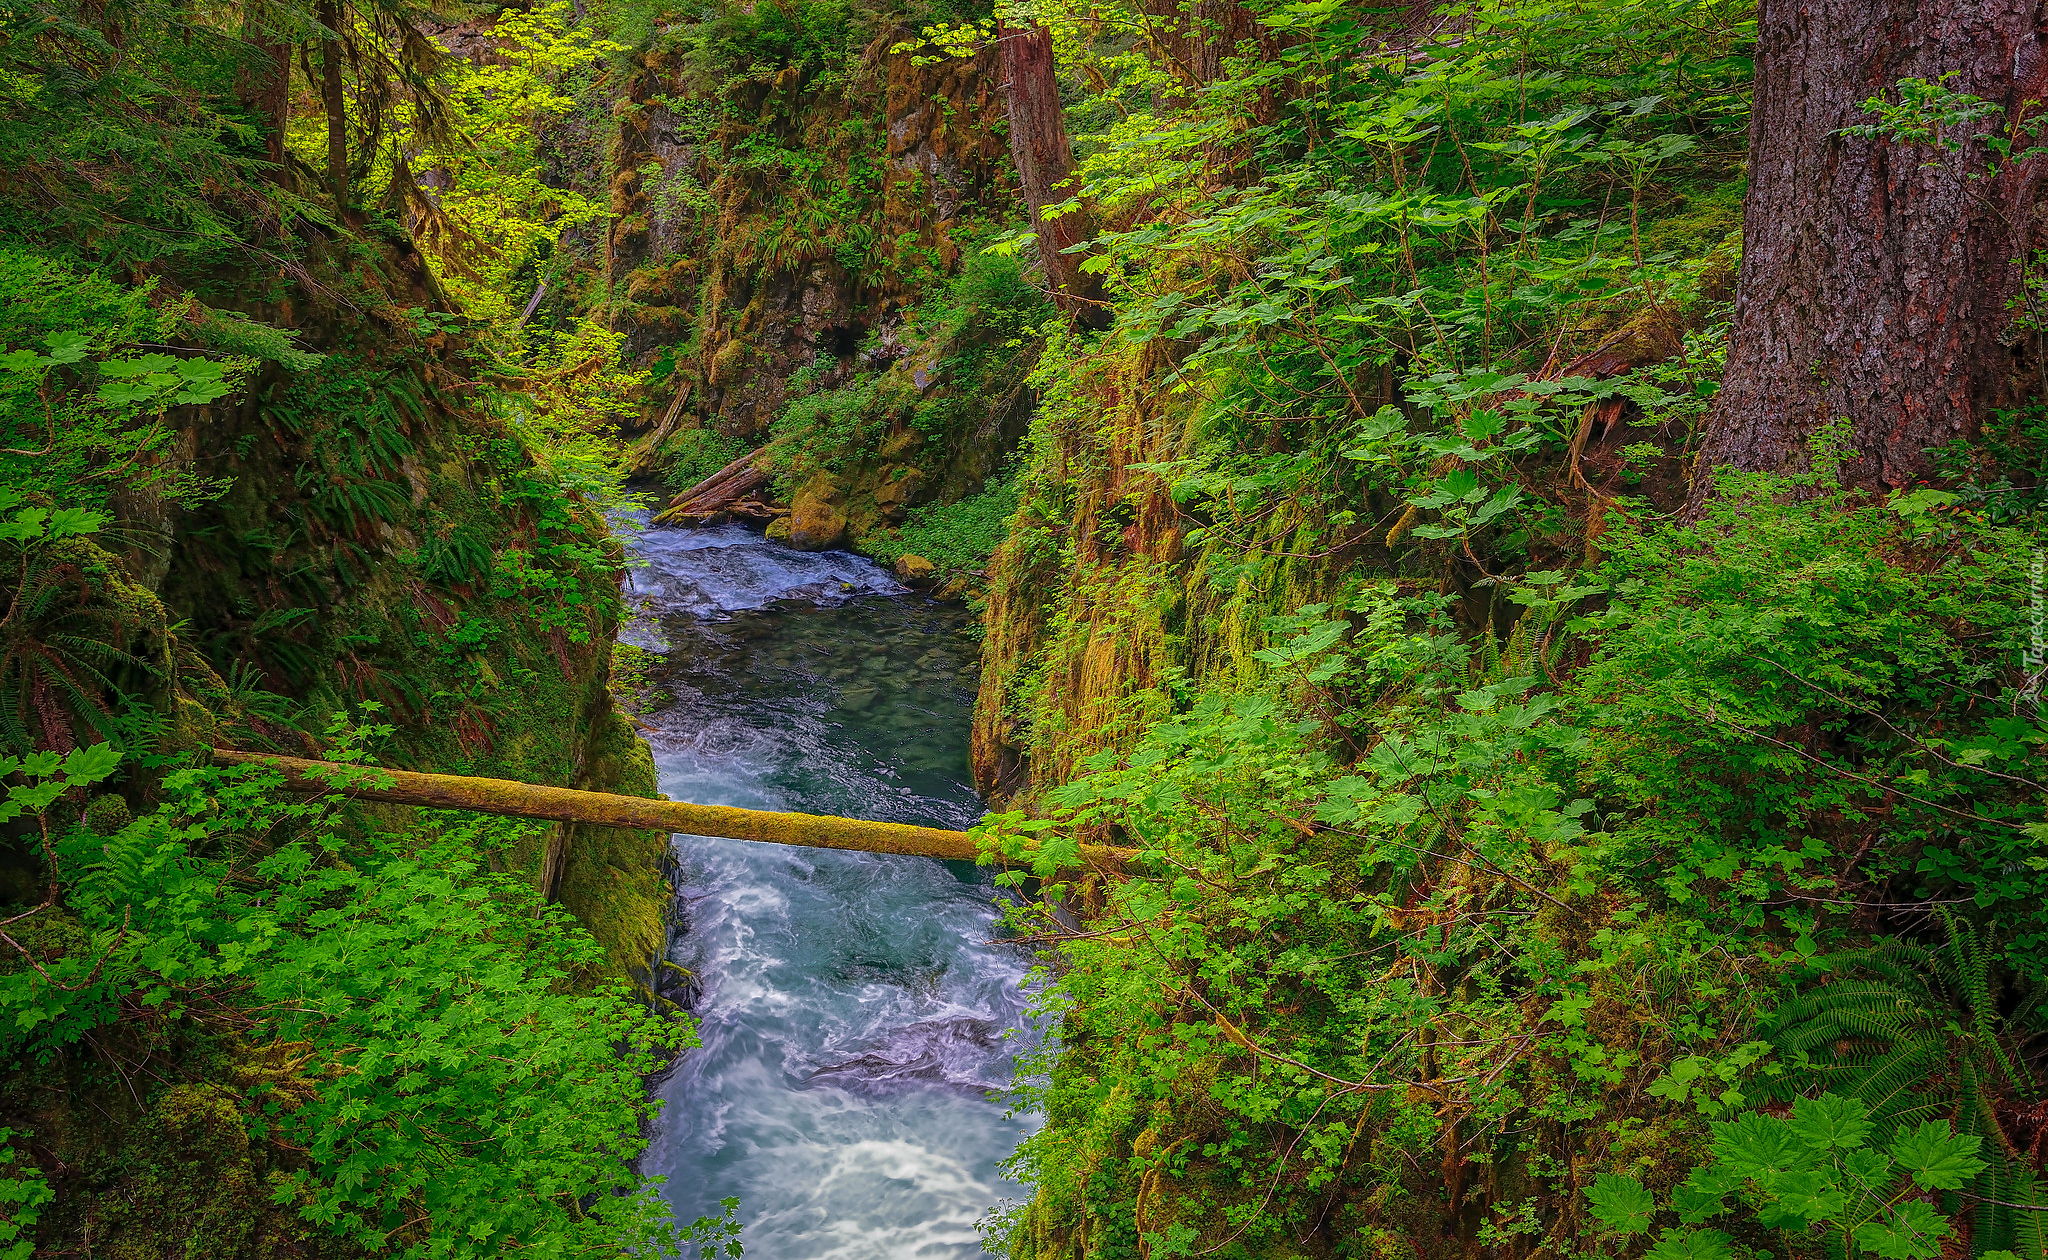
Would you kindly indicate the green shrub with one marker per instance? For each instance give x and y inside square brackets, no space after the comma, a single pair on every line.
[1597,885]
[828,430]
[957,537]
[694,454]
[457,1097]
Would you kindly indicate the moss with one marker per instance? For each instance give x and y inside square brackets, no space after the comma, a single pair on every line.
[146,1169]
[1084,642]
[611,879]
[106,814]
[659,285]
[729,363]
[1703,219]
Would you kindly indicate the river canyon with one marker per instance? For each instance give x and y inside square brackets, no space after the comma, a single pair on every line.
[857,1017]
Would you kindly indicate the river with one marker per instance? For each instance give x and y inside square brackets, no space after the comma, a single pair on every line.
[855,1013]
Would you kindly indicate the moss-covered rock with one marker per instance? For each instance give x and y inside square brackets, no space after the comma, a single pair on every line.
[816,519]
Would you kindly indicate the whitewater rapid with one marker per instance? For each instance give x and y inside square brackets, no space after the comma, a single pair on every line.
[856,1016]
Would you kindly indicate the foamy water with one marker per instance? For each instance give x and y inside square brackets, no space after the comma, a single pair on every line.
[855,1015]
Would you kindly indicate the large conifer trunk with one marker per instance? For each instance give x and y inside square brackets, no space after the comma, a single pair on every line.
[1045,159]
[1875,275]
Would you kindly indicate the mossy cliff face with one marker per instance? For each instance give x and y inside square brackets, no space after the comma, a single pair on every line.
[1107,612]
[383,539]
[784,222]
[1099,609]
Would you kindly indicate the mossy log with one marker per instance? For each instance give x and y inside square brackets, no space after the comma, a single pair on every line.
[510,799]
[736,488]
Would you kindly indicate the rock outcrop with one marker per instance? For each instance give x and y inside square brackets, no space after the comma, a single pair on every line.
[792,235]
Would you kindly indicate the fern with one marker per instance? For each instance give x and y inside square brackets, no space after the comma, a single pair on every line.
[1917,1035]
[455,558]
[247,691]
[62,662]
[347,507]
[353,423]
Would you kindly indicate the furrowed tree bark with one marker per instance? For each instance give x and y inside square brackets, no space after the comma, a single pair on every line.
[265,86]
[510,799]
[1875,275]
[334,103]
[1045,159]
[274,102]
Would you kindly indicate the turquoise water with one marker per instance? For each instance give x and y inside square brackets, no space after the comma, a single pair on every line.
[855,1012]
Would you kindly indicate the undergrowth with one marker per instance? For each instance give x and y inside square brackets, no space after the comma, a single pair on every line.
[958,537]
[1521,865]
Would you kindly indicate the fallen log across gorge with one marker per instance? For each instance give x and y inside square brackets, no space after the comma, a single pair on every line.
[511,799]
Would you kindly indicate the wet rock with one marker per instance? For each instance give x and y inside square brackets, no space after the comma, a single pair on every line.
[778,529]
[898,490]
[914,570]
[816,520]
[678,984]
[945,1053]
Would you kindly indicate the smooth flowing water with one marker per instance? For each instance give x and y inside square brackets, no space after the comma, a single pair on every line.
[854,1010]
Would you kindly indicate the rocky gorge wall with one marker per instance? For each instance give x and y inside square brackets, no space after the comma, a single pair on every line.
[356,537]
[785,223]
[796,254]
[381,539]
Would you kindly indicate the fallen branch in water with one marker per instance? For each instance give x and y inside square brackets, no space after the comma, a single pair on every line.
[736,488]
[510,799]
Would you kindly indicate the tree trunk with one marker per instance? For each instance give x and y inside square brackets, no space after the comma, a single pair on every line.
[510,799]
[1876,274]
[273,104]
[1045,159]
[265,88]
[1194,36]
[334,103]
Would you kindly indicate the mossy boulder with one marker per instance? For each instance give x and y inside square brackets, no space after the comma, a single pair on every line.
[817,517]
[729,363]
[897,491]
